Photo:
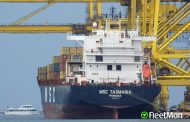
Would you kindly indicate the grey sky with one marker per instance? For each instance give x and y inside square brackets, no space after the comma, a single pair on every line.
[22,54]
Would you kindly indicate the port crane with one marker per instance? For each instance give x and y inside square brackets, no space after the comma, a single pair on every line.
[157,18]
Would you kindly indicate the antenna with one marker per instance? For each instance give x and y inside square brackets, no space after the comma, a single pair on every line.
[120,14]
[112,12]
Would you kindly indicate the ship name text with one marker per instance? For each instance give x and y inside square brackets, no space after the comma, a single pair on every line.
[115,92]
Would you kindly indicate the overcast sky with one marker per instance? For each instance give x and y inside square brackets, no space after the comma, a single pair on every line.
[22,54]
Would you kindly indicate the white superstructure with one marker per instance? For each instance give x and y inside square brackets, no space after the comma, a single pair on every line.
[23,110]
[112,55]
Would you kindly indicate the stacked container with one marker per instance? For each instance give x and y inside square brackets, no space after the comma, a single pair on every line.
[70,51]
[57,70]
[55,67]
[65,51]
[49,72]
[63,60]
[42,73]
[68,54]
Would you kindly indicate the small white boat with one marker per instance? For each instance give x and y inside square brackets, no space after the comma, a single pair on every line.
[23,110]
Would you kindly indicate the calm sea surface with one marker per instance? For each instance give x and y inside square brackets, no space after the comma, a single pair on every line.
[40,118]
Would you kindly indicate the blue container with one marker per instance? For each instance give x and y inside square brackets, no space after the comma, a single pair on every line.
[56,67]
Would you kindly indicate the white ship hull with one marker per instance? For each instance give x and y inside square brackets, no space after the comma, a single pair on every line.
[21,113]
[23,110]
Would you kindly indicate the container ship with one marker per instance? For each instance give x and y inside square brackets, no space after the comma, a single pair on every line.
[108,77]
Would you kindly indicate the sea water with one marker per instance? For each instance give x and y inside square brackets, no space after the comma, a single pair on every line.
[40,118]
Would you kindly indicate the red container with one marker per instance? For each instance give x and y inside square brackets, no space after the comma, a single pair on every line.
[64,58]
[62,66]
[56,76]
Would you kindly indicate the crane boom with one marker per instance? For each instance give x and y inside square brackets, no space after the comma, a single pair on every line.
[56,28]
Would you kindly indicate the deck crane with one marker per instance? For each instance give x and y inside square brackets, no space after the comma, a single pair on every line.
[156,18]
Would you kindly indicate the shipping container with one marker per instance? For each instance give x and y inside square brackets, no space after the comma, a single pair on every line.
[50,75]
[53,75]
[71,50]
[76,50]
[64,51]
[56,75]
[62,75]
[80,51]
[42,70]
[56,59]
[62,66]
[55,67]
[64,58]
[42,76]
[49,67]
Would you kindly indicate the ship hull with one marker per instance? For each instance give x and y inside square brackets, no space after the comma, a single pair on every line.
[96,102]
[57,111]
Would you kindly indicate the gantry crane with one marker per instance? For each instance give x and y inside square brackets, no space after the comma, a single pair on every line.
[156,18]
